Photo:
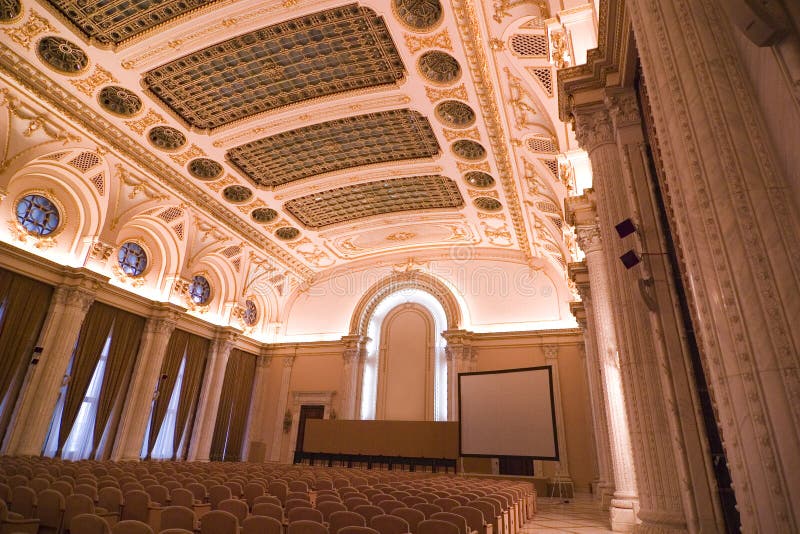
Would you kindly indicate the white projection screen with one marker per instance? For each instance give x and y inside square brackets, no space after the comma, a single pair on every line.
[508,413]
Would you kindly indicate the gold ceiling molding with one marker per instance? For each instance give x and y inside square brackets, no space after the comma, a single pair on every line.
[502,8]
[463,166]
[472,133]
[499,236]
[151,118]
[96,124]
[329,52]
[435,94]
[217,185]
[99,77]
[475,193]
[410,193]
[415,43]
[469,27]
[328,112]
[192,152]
[521,102]
[374,138]
[25,34]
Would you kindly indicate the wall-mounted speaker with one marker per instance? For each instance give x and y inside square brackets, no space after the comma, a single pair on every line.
[630,259]
[625,228]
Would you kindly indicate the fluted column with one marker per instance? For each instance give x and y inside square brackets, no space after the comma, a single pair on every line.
[38,397]
[551,359]
[280,410]
[207,404]
[583,312]
[460,359]
[623,505]
[351,358]
[145,377]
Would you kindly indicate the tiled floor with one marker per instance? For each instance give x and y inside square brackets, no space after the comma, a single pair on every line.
[581,515]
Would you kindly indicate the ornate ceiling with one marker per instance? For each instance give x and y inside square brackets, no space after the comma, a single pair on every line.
[304,126]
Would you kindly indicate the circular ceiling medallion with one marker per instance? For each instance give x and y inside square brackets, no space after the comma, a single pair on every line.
[469,150]
[439,67]
[9,10]
[237,193]
[487,204]
[62,55]
[287,233]
[479,179]
[166,138]
[455,114]
[119,100]
[205,169]
[263,215]
[421,15]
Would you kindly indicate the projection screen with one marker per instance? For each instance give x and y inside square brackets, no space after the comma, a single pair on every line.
[508,413]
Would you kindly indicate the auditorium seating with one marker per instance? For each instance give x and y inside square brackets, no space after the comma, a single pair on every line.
[49,495]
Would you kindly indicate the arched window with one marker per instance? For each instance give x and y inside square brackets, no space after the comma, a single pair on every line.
[372,363]
[250,315]
[38,215]
[132,258]
[200,290]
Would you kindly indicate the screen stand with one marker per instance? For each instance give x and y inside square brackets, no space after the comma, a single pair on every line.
[561,487]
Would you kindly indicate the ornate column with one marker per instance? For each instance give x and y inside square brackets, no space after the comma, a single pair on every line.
[584,314]
[206,414]
[624,504]
[562,470]
[351,357]
[283,401]
[28,428]
[460,359]
[145,377]
[257,431]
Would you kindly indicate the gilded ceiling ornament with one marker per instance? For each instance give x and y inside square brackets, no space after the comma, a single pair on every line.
[237,193]
[415,43]
[255,204]
[99,77]
[521,102]
[420,15]
[401,236]
[140,125]
[487,204]
[435,94]
[27,32]
[455,114]
[439,67]
[62,55]
[205,169]
[544,76]
[287,233]
[10,10]
[166,138]
[330,52]
[497,236]
[217,185]
[468,150]
[393,135]
[119,101]
[472,133]
[344,204]
[193,151]
[480,166]
[559,50]
[114,21]
[475,193]
[263,215]
[502,8]
[479,179]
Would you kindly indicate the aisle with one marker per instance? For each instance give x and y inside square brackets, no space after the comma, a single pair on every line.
[581,515]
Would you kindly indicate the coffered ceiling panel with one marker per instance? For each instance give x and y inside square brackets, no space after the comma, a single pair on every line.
[393,135]
[114,21]
[324,53]
[375,198]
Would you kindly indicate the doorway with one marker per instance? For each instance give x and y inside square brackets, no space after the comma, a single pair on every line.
[316,411]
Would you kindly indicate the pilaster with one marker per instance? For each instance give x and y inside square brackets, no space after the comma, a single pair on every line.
[280,409]
[352,356]
[257,432]
[460,359]
[68,307]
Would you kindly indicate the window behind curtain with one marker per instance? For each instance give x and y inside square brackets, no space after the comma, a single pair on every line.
[165,445]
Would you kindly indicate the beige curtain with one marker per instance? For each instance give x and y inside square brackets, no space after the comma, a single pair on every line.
[25,305]
[93,335]
[245,379]
[125,338]
[196,354]
[234,407]
[176,348]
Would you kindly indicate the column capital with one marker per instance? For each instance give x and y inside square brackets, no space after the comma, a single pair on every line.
[623,107]
[263,361]
[288,362]
[589,238]
[457,337]
[78,297]
[593,127]
[550,352]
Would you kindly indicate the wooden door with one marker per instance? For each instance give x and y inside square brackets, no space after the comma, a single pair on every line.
[307,412]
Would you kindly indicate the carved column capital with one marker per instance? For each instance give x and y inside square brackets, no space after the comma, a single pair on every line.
[263,361]
[288,362]
[79,298]
[589,238]
[593,128]
[354,347]
[550,352]
[623,107]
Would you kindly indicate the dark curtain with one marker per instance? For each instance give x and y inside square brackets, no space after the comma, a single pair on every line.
[196,355]
[176,348]
[234,407]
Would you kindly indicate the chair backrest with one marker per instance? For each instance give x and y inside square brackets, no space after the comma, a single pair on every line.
[158,494]
[259,524]
[353,502]
[23,501]
[88,524]
[236,507]
[182,497]
[198,490]
[177,517]
[235,487]
[307,527]
[473,516]
[271,499]
[219,522]
[38,484]
[368,511]
[388,506]
[447,504]
[76,505]
[487,509]
[411,500]
[268,509]
[298,496]
[389,524]
[456,519]
[217,494]
[89,490]
[51,509]
[427,509]
[358,530]
[252,490]
[436,526]
[131,526]
[412,516]
[304,514]
[323,484]
[462,500]
[279,489]
[328,507]
[327,497]
[298,485]
[376,498]
[340,519]
[176,531]
[110,498]
[137,504]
